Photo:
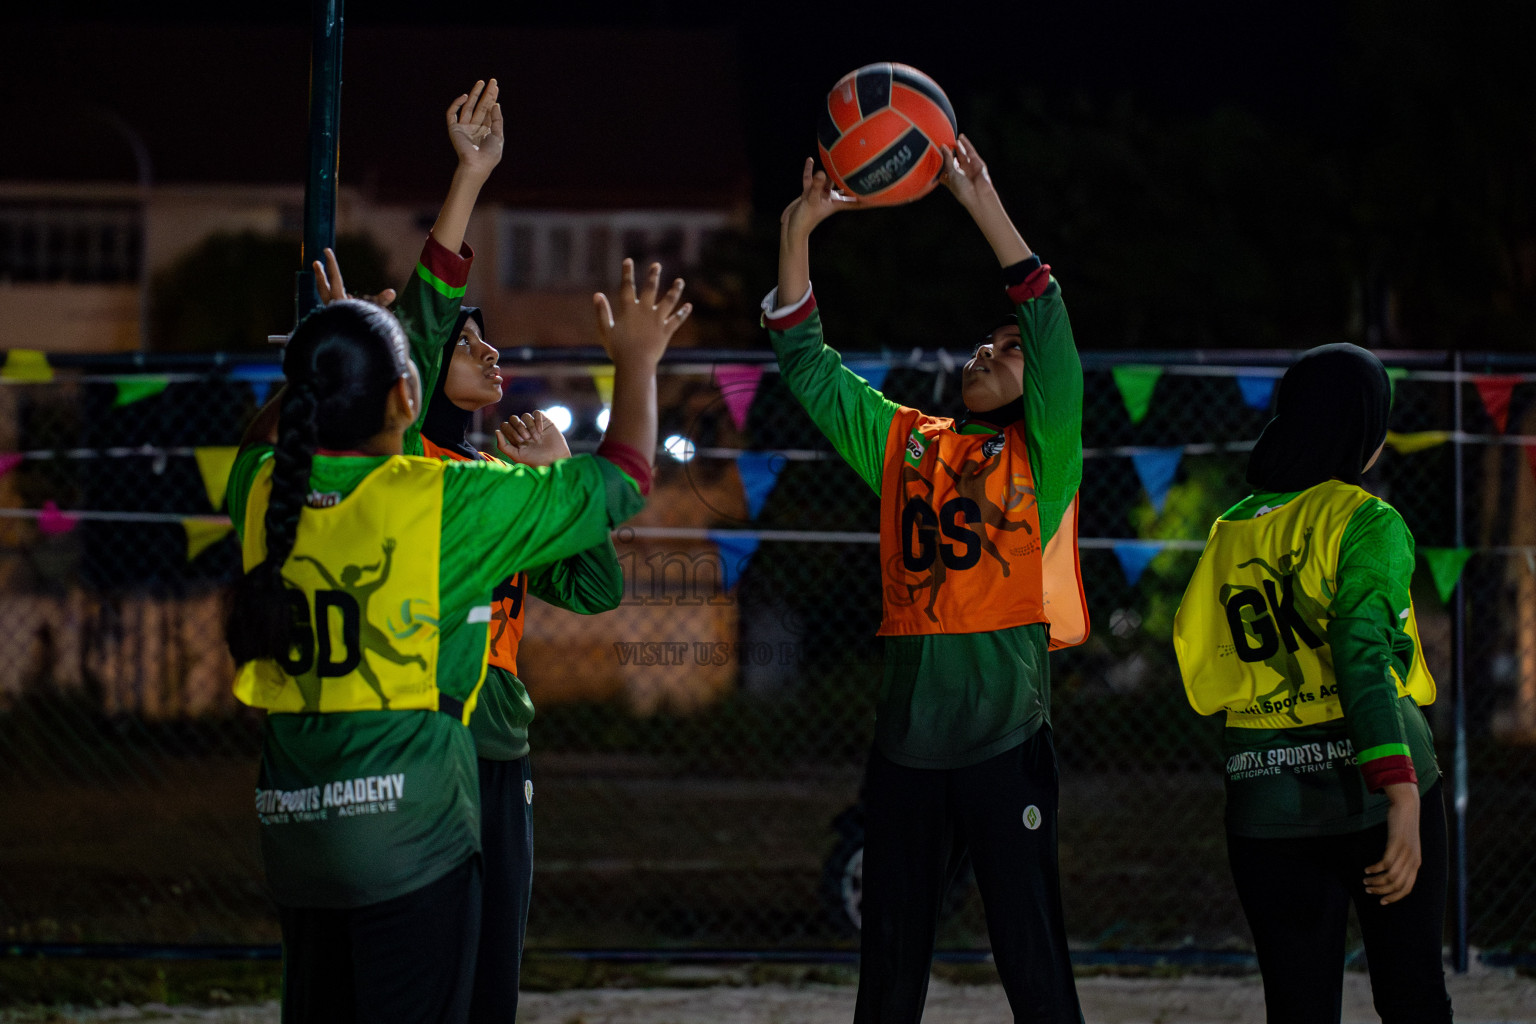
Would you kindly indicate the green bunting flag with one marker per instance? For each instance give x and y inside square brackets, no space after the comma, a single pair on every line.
[1395,374]
[202,535]
[136,389]
[1136,383]
[1445,565]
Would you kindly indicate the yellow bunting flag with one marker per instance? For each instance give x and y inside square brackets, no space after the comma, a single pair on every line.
[1407,444]
[26,364]
[214,464]
[602,379]
[202,535]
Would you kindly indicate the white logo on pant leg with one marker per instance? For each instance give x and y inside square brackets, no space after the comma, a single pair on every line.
[1031,817]
[528,791]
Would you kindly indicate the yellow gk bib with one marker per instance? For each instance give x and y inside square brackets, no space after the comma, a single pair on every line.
[1251,634]
[364,579]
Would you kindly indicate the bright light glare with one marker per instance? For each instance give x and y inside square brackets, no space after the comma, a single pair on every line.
[560,416]
[602,419]
[679,447]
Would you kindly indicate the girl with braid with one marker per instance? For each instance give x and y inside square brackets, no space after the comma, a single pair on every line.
[1298,625]
[369,812]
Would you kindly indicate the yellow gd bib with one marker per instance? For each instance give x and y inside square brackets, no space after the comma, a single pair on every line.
[1251,633]
[960,537]
[364,573]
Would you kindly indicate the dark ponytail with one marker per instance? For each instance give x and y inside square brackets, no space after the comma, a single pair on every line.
[340,365]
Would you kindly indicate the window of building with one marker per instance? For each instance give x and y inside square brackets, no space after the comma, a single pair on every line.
[77,243]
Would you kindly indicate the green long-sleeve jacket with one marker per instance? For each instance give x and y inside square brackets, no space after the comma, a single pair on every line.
[950,700]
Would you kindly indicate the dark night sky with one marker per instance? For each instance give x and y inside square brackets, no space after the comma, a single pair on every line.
[1279,60]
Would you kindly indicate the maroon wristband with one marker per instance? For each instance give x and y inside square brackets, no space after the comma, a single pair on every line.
[789,320]
[1388,771]
[629,460]
[1033,286]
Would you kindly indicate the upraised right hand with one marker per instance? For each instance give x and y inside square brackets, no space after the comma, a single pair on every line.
[640,323]
[817,201]
[329,285]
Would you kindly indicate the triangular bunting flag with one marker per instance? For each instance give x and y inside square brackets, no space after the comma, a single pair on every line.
[873,373]
[736,551]
[214,464]
[759,472]
[738,386]
[1495,392]
[1156,468]
[52,522]
[202,535]
[1445,565]
[1257,391]
[1136,384]
[136,389]
[26,364]
[1407,444]
[9,461]
[1135,557]
[602,379]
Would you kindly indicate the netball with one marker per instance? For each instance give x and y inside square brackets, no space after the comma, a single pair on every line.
[880,132]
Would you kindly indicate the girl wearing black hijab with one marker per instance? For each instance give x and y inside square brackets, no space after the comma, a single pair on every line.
[1298,625]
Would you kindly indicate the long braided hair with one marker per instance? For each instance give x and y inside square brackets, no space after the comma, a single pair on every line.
[339,365]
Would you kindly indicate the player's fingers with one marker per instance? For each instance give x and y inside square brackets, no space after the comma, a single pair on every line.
[333,270]
[467,112]
[668,302]
[387,296]
[807,173]
[604,313]
[506,447]
[675,321]
[453,109]
[486,101]
[496,123]
[651,287]
[627,282]
[322,285]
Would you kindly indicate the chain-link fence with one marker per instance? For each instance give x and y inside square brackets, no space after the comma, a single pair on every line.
[699,751]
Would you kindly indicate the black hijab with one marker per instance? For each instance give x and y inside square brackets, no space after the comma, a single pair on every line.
[1004,416]
[446,425]
[1330,417]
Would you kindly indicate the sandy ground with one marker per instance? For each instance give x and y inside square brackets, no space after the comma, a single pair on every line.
[1485,996]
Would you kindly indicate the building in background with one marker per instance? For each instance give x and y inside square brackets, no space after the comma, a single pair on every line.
[126,147]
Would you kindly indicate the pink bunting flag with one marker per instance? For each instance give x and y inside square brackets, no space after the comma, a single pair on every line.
[738,386]
[9,461]
[1495,392]
[53,522]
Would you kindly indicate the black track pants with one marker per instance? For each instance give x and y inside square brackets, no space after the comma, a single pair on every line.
[409,960]
[506,844]
[919,823]
[1296,894]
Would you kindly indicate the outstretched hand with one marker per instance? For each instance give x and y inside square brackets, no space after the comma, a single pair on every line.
[817,201]
[532,439]
[639,325]
[965,173]
[475,128]
[329,284]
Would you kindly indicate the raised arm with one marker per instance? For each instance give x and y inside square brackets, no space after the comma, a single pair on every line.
[1053,373]
[853,416]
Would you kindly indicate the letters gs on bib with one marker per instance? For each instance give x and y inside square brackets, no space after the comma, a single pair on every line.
[921,525]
